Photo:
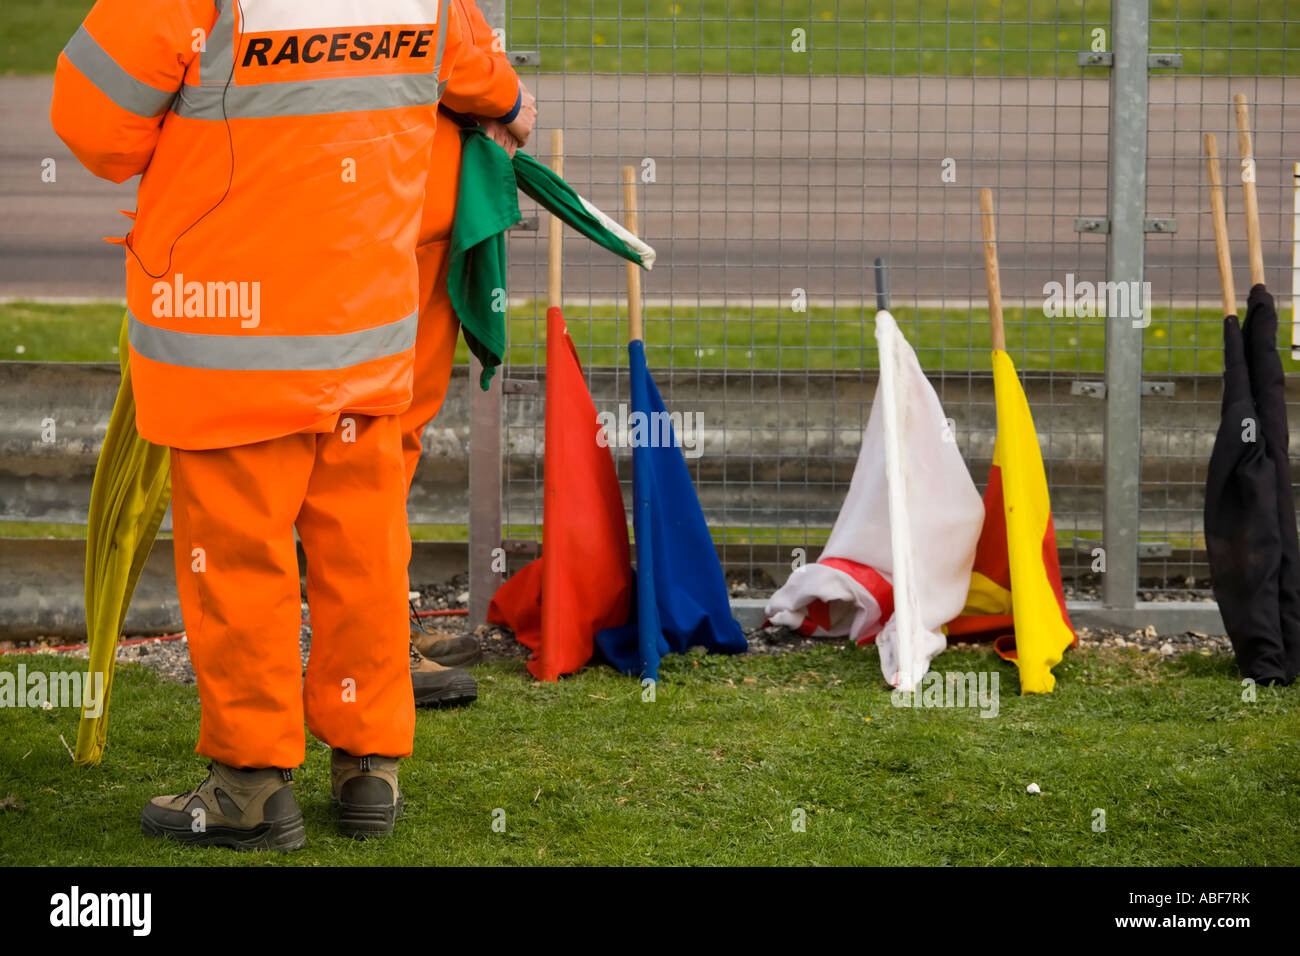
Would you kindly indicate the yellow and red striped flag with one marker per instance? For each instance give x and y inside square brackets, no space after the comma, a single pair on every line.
[1015,595]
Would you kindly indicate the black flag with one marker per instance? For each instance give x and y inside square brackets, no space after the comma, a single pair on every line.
[1250,527]
[1268,386]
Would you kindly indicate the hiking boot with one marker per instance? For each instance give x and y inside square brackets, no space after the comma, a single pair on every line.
[438,686]
[241,809]
[449,650]
[364,795]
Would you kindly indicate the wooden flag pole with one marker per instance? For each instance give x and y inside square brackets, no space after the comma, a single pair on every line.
[555,241]
[1247,153]
[1220,226]
[991,271]
[634,317]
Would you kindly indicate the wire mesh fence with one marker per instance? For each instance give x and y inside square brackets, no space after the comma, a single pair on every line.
[783,146]
[1187,349]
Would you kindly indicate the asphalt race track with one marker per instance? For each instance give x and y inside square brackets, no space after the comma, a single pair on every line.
[763,185]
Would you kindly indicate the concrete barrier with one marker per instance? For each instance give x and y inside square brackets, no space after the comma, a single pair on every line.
[778,447]
[43,593]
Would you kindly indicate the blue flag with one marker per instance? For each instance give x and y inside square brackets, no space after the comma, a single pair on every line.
[681,595]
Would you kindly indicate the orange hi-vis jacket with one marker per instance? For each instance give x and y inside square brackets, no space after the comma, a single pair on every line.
[284,144]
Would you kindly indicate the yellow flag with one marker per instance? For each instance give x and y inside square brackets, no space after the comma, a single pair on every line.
[128,499]
[1043,630]
[1016,598]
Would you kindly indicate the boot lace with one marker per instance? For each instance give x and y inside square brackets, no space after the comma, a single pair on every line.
[415,619]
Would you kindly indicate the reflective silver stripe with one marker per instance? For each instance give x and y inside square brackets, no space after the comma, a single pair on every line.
[85,53]
[215,59]
[442,42]
[340,94]
[217,98]
[271,353]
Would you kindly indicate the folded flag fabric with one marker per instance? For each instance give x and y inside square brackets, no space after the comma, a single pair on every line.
[541,184]
[582,583]
[925,520]
[681,598]
[1016,582]
[1249,510]
[1268,387]
[487,204]
[128,499]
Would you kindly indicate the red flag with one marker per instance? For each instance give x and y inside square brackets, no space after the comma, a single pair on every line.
[583,581]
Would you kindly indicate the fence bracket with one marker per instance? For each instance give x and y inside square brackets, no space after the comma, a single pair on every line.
[1164,225]
[1155,61]
[1089,58]
[524,57]
[1098,389]
[1100,225]
[520,546]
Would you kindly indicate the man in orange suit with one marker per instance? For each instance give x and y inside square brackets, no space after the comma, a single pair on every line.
[273,302]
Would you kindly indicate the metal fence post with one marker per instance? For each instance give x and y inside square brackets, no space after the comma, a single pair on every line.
[484,492]
[1126,199]
[484,454]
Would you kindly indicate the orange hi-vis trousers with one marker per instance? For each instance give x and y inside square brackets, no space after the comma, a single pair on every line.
[233,513]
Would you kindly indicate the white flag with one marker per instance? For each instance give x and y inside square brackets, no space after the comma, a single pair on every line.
[898,562]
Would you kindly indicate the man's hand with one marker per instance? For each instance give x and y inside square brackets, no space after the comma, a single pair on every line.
[521,127]
[500,134]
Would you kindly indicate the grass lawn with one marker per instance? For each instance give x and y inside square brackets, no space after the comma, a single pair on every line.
[903,37]
[714,771]
[1180,340]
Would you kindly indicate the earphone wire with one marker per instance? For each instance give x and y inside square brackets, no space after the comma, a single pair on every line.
[230,139]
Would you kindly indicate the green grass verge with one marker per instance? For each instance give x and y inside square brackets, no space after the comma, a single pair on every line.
[951,340]
[849,37]
[897,37]
[714,771]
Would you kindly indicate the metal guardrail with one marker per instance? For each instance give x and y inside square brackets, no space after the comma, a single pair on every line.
[42,596]
[57,414]
[43,593]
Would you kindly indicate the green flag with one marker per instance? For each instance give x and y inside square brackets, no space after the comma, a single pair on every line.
[486,206]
